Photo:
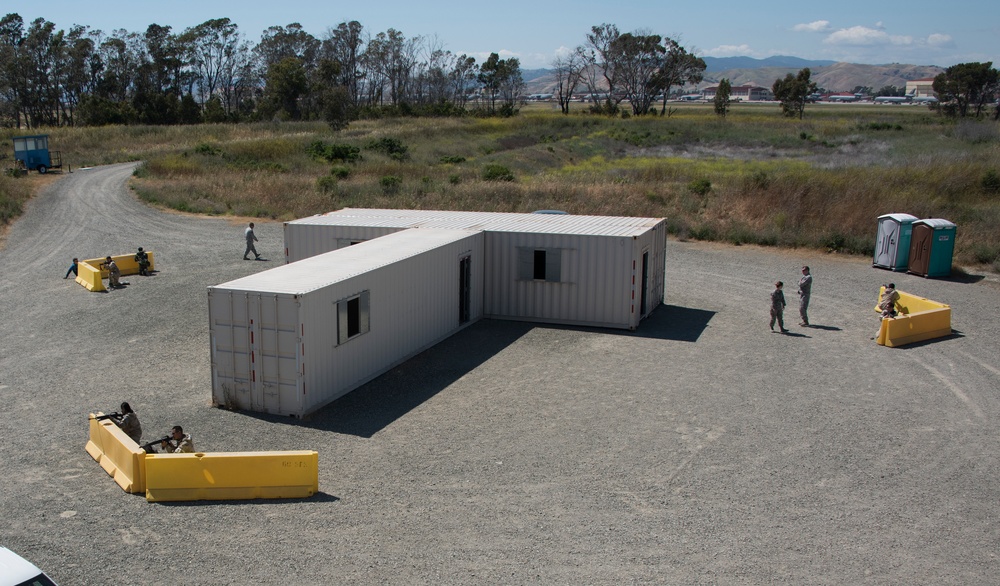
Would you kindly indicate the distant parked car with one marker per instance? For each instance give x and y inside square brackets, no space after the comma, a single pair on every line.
[17,571]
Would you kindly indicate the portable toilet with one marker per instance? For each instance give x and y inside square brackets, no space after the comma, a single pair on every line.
[931,246]
[33,152]
[892,245]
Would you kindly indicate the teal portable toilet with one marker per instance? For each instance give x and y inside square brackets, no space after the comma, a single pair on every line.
[892,245]
[932,245]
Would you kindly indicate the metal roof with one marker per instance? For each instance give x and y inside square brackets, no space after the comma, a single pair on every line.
[936,223]
[900,217]
[486,221]
[322,270]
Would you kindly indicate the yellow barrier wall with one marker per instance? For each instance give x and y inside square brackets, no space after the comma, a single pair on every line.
[89,276]
[919,319]
[231,476]
[89,272]
[117,454]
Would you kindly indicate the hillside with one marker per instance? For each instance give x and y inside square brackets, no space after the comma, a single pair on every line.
[837,77]
[762,72]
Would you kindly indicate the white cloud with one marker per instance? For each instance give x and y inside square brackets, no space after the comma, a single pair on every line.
[730,51]
[862,36]
[564,51]
[817,26]
[940,41]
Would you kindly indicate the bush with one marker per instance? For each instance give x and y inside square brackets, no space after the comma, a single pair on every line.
[326,184]
[991,181]
[495,172]
[334,152]
[207,149]
[340,171]
[447,159]
[454,179]
[392,147]
[700,186]
[390,183]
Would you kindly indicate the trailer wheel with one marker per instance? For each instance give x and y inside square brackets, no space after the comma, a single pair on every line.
[42,169]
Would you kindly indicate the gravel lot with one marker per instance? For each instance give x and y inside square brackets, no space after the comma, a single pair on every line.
[701,449]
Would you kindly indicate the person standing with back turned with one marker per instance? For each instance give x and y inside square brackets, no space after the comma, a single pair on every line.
[805,289]
[251,238]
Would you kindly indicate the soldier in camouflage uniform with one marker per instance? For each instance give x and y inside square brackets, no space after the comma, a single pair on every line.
[129,423]
[778,307]
[180,442]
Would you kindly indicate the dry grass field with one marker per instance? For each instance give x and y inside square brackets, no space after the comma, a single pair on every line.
[753,178]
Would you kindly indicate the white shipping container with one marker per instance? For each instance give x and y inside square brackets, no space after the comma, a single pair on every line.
[604,281]
[294,338]
[606,271]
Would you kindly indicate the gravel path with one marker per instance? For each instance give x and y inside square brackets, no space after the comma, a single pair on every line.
[701,449]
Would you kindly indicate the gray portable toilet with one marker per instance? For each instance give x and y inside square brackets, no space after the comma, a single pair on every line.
[892,245]
[931,248]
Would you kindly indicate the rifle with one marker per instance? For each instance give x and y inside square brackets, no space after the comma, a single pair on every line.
[108,416]
[148,447]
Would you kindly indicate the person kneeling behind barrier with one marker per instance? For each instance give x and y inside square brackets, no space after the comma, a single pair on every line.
[918,319]
[201,475]
[91,272]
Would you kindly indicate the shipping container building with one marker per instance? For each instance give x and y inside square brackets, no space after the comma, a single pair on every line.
[291,339]
[604,271]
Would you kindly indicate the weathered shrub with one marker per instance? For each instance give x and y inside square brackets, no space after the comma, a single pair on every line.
[497,172]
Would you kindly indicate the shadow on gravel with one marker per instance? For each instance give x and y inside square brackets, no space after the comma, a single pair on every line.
[671,322]
[319,497]
[958,276]
[824,328]
[375,405]
[955,334]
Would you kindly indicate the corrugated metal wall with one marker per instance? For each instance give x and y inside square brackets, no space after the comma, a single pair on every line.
[279,353]
[594,285]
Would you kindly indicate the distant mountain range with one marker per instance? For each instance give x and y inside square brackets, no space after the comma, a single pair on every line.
[782,61]
[829,75]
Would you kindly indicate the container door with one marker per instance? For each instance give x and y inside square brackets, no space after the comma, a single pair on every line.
[886,243]
[230,349]
[274,345]
[920,249]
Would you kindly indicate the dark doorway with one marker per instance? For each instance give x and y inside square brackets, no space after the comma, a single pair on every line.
[920,249]
[645,282]
[464,288]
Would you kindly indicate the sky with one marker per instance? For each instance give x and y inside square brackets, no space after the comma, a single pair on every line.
[917,32]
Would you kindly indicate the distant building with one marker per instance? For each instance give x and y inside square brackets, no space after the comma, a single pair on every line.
[920,88]
[741,93]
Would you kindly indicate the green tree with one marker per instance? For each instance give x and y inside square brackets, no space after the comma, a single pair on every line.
[679,68]
[793,92]
[639,59]
[501,79]
[722,94]
[286,83]
[967,87]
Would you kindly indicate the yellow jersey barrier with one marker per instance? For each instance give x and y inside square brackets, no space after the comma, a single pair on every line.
[120,457]
[201,476]
[919,319]
[231,476]
[90,272]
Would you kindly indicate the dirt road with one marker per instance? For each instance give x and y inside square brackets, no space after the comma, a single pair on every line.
[700,449]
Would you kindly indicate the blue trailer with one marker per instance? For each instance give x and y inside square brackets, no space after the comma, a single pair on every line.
[32,153]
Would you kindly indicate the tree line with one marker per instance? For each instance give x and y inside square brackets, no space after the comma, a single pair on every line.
[212,73]
[963,90]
